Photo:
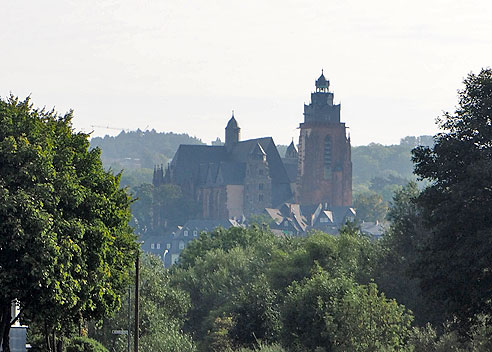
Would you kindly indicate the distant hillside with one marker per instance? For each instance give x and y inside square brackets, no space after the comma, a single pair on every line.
[377,160]
[137,152]
[380,168]
[375,166]
[141,148]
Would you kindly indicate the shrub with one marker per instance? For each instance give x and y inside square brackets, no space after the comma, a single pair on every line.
[85,344]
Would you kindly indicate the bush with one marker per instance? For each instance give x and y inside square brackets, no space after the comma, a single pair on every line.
[85,344]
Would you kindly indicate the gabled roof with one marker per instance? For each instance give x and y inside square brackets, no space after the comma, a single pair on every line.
[328,214]
[257,151]
[275,214]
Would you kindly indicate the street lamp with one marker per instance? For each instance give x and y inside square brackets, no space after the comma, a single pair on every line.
[137,296]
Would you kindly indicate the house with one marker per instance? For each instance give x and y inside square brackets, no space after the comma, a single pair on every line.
[169,246]
[294,219]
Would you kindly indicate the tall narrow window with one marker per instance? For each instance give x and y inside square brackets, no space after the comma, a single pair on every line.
[327,157]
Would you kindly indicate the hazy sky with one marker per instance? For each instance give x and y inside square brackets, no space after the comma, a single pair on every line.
[182,66]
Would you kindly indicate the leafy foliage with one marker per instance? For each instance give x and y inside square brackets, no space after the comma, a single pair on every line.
[455,266]
[84,344]
[370,207]
[400,252]
[326,313]
[65,243]
[162,312]
[239,281]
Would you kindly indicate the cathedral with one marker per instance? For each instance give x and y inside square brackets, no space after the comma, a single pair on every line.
[241,178]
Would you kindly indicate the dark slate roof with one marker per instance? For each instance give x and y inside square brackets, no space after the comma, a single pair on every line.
[199,164]
[291,171]
[233,173]
[187,160]
[232,123]
[322,82]
[341,213]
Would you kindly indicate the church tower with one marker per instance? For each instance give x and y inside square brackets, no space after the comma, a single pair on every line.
[325,166]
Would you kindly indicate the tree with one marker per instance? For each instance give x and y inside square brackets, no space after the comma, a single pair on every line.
[142,209]
[400,251]
[325,313]
[370,206]
[456,266]
[65,243]
[171,206]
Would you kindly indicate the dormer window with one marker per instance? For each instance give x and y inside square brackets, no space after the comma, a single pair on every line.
[185,232]
[195,233]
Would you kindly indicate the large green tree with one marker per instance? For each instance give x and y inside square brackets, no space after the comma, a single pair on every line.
[326,313]
[65,243]
[456,265]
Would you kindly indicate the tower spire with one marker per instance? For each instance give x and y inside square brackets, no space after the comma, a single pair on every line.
[232,133]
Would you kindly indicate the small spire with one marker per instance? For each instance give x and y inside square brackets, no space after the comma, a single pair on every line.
[232,112]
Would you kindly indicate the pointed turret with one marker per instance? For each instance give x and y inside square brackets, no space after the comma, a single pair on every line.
[232,133]
[291,151]
[322,84]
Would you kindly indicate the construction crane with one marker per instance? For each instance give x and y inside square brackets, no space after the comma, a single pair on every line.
[111,128]
[116,128]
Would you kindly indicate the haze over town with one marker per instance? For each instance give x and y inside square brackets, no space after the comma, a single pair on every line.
[183,66]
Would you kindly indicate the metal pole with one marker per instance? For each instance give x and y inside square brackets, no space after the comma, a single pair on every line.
[129,317]
[137,284]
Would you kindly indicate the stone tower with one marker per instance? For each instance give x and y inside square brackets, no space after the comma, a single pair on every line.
[257,182]
[325,167]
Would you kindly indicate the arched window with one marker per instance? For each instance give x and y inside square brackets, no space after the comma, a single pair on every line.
[327,157]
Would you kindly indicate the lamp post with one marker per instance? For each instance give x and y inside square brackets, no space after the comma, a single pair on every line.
[137,297]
